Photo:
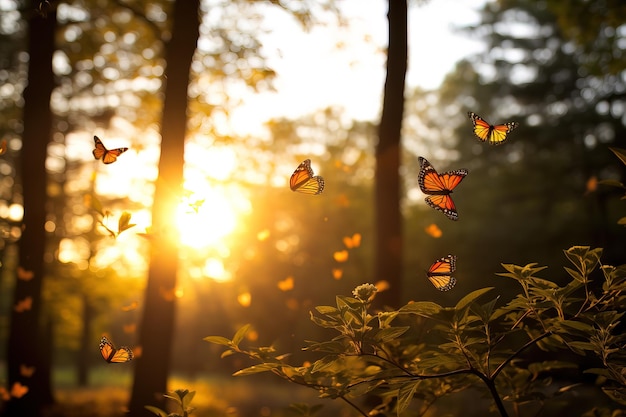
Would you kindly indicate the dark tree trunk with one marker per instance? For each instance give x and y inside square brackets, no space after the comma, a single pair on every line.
[387,179]
[27,339]
[85,354]
[157,328]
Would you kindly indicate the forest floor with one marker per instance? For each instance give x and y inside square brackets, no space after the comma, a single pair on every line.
[216,396]
[264,395]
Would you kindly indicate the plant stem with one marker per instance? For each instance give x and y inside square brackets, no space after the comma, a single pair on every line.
[517,352]
[363,413]
[491,385]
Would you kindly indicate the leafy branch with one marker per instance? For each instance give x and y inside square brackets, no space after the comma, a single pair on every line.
[182,398]
[408,363]
[123,222]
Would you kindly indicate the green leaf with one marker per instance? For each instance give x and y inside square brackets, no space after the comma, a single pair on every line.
[329,324]
[578,325]
[390,333]
[582,345]
[537,368]
[240,334]
[96,204]
[486,310]
[218,340]
[620,153]
[405,395]
[611,183]
[227,353]
[567,388]
[331,346]
[187,398]
[599,371]
[177,398]
[575,274]
[584,258]
[155,410]
[324,363]
[350,302]
[124,222]
[469,298]
[365,387]
[352,317]
[521,273]
[616,394]
[327,310]
[425,308]
[385,318]
[577,253]
[256,369]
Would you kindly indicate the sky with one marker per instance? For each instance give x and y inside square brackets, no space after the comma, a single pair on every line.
[314,72]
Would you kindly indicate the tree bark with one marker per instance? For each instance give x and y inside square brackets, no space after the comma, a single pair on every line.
[157,328]
[85,354]
[27,342]
[389,244]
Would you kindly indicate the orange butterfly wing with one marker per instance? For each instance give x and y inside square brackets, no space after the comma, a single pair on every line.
[440,273]
[108,156]
[303,180]
[485,132]
[100,150]
[439,187]
[112,355]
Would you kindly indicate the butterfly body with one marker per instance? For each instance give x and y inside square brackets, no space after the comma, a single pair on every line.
[440,273]
[108,156]
[112,355]
[492,134]
[439,187]
[304,181]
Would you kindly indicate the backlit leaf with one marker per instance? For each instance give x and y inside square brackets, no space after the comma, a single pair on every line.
[620,153]
[405,395]
[240,334]
[469,298]
[256,369]
[218,340]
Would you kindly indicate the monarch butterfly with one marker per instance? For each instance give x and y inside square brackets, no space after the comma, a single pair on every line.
[3,146]
[440,273]
[108,155]
[494,135]
[303,181]
[112,355]
[439,187]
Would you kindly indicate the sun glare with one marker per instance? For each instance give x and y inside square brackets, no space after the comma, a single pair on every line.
[203,220]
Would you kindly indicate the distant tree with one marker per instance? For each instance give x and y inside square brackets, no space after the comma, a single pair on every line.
[388,219]
[156,332]
[538,191]
[27,343]
[596,29]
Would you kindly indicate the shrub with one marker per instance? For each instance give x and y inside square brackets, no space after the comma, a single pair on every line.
[410,357]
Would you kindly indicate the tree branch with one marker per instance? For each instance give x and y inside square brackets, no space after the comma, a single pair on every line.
[517,352]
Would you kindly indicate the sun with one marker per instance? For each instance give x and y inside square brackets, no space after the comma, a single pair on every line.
[204,219]
[211,208]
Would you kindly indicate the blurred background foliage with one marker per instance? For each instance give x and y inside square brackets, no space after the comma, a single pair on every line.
[562,78]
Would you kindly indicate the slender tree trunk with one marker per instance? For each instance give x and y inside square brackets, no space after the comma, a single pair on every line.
[85,353]
[387,179]
[26,343]
[157,328]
